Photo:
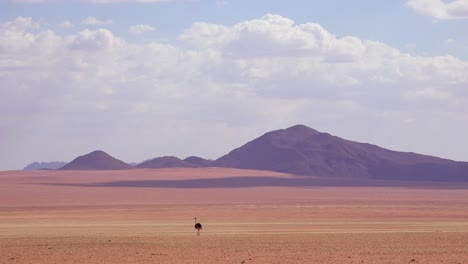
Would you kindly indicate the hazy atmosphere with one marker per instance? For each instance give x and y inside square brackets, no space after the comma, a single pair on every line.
[148,78]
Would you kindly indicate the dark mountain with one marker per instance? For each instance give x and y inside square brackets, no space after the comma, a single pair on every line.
[53,165]
[166,162]
[96,160]
[304,151]
[198,162]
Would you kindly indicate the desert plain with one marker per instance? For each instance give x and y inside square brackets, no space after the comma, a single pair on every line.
[147,216]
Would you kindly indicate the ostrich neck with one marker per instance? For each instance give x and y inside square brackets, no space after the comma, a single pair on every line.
[195,220]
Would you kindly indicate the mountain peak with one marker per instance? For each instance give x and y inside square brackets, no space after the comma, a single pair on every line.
[96,160]
[302,150]
[300,127]
[97,152]
[300,130]
[289,136]
[197,161]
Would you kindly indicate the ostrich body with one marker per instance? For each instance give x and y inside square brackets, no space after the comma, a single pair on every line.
[198,227]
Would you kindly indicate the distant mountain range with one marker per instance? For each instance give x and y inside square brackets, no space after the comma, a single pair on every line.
[304,151]
[165,162]
[53,165]
[174,162]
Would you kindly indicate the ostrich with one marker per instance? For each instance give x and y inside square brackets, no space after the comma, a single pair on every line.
[198,227]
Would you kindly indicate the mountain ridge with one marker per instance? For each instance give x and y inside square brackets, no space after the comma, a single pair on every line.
[302,150]
[305,151]
[52,165]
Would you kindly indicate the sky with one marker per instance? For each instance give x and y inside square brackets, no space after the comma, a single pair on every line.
[146,78]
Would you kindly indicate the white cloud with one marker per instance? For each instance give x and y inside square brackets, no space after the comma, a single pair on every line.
[92,21]
[226,85]
[140,29]
[275,36]
[439,9]
[20,24]
[67,24]
[101,39]
[22,31]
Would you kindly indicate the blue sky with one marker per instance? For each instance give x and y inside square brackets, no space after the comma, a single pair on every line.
[182,78]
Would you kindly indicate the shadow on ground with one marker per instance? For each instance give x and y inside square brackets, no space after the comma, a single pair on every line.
[262,181]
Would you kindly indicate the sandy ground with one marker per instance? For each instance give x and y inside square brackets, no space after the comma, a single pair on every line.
[45,222]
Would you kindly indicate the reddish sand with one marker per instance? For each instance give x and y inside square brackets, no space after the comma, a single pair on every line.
[54,217]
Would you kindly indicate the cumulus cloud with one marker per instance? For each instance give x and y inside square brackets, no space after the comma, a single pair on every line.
[67,24]
[140,29]
[20,24]
[92,21]
[101,39]
[226,85]
[439,9]
[22,29]
[275,36]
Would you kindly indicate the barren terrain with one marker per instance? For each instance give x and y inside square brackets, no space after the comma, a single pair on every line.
[146,216]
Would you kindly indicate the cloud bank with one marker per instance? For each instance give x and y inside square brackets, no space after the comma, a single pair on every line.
[225,85]
[439,9]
